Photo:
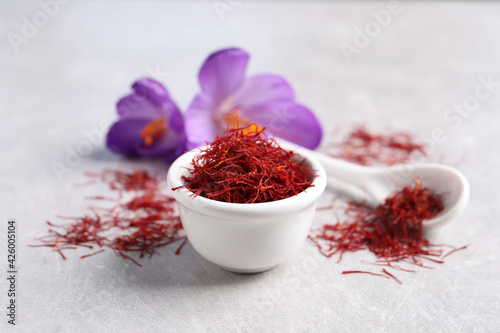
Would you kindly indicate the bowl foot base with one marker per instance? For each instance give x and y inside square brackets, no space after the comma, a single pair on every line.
[247,271]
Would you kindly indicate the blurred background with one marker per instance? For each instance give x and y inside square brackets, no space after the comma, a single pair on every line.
[415,66]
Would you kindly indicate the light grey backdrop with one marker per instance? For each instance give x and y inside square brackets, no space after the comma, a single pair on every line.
[61,80]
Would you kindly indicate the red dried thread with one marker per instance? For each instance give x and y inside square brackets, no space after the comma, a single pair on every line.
[393,230]
[146,221]
[138,180]
[362,147]
[244,166]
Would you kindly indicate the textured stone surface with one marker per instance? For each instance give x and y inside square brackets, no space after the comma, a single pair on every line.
[66,78]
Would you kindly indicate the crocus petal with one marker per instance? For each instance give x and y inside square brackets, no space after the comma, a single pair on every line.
[148,103]
[124,135]
[172,144]
[289,121]
[163,147]
[265,99]
[200,123]
[150,99]
[175,120]
[222,73]
[262,89]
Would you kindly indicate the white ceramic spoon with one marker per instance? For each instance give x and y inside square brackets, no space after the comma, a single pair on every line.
[380,182]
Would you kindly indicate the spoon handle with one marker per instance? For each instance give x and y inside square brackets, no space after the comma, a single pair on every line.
[378,183]
[349,175]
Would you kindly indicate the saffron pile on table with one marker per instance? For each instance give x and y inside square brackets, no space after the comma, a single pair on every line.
[244,166]
[392,231]
[363,147]
[141,219]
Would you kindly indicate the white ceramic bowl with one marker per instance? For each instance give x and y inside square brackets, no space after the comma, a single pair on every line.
[246,238]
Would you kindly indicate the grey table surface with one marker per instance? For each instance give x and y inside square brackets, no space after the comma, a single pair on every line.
[63,78]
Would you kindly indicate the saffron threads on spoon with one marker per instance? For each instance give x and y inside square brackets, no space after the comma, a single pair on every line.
[146,220]
[244,166]
[392,231]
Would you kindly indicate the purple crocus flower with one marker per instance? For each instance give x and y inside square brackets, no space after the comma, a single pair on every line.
[266,100]
[150,123]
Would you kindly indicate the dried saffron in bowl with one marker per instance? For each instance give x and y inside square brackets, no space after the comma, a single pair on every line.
[244,166]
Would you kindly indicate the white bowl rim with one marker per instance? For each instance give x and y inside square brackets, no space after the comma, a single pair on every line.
[240,210]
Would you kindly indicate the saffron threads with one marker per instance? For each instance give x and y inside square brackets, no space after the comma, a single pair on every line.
[392,231]
[364,272]
[244,166]
[392,276]
[146,220]
[138,180]
[454,250]
[365,148]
